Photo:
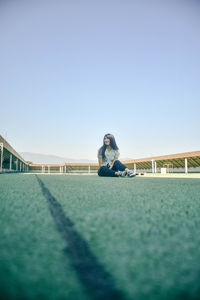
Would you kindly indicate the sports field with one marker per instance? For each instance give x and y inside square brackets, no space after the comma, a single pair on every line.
[86,237]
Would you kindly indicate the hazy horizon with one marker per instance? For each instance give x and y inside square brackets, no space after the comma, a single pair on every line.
[54,159]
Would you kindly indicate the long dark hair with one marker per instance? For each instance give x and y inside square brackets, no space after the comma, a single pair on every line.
[113,144]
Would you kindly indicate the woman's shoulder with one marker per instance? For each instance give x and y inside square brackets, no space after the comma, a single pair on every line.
[117,153]
[100,151]
[116,150]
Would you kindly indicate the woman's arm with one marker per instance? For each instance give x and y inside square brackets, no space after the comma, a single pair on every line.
[116,158]
[100,161]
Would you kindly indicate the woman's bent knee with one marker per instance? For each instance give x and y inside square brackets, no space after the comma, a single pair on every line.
[100,171]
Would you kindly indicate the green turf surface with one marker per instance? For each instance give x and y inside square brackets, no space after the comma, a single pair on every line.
[145,232]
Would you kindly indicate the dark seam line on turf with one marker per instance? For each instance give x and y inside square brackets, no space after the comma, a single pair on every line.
[89,270]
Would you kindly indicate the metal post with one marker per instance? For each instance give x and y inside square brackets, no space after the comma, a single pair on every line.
[89,169]
[135,168]
[186,165]
[20,166]
[10,162]
[152,165]
[60,169]
[65,169]
[17,164]
[48,169]
[1,165]
[155,170]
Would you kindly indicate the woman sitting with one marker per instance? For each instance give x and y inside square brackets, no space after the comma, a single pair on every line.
[108,156]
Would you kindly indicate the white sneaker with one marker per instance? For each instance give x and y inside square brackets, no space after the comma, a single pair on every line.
[122,173]
[131,173]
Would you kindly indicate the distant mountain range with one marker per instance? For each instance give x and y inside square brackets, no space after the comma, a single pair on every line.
[38,158]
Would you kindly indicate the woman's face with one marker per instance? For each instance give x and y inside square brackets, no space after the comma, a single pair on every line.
[106,141]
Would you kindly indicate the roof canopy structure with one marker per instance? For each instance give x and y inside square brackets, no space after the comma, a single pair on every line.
[9,158]
[175,160]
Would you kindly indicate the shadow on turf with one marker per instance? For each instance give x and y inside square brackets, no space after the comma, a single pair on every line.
[89,270]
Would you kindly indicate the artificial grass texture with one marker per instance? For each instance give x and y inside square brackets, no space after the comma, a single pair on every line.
[144,231]
[32,264]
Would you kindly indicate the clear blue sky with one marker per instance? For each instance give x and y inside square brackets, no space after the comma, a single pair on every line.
[71,71]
